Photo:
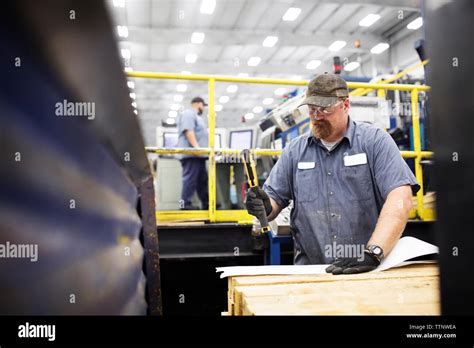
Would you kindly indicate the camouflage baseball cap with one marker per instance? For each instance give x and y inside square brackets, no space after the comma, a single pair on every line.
[325,90]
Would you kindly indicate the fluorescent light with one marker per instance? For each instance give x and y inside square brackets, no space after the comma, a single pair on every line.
[135,112]
[379,48]
[173,113]
[178,98]
[191,58]
[134,104]
[232,88]
[218,107]
[181,88]
[416,24]
[291,14]
[243,74]
[280,91]
[254,61]
[336,46]
[224,99]
[313,64]
[125,53]
[368,20]
[185,72]
[351,66]
[128,69]
[133,95]
[257,109]
[119,3]
[270,41]
[170,121]
[197,38]
[131,84]
[208,6]
[175,107]
[122,31]
[249,116]
[267,101]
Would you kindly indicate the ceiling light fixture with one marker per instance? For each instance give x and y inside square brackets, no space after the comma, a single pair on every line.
[208,6]
[254,61]
[379,48]
[368,20]
[126,54]
[181,88]
[232,88]
[197,38]
[351,66]
[280,91]
[416,24]
[122,31]
[291,14]
[313,64]
[270,41]
[191,58]
[249,116]
[336,46]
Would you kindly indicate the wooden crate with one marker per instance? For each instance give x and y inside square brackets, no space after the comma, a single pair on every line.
[409,290]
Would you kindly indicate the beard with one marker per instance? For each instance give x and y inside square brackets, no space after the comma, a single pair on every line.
[321,129]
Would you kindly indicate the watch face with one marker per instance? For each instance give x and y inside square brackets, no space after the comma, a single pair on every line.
[377,250]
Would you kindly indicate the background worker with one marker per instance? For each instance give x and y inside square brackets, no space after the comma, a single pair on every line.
[192,132]
[348,182]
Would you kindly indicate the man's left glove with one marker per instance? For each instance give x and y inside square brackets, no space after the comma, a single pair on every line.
[353,265]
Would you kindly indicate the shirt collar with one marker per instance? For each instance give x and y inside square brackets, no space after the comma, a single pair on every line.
[349,134]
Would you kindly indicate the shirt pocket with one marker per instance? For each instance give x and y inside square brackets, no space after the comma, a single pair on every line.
[306,185]
[357,182]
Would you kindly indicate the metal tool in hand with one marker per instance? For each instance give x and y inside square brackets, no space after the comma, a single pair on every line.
[251,171]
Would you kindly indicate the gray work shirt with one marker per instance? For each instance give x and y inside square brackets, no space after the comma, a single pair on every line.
[190,120]
[337,201]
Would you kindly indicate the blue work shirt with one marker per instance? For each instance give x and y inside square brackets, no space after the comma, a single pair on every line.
[190,120]
[337,200]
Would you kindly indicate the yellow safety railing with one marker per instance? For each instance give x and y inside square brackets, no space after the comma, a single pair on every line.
[381,93]
[241,216]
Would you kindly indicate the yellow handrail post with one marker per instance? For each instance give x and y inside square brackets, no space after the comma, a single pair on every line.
[417,150]
[212,159]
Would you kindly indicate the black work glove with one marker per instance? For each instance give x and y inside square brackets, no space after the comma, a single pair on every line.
[258,202]
[353,265]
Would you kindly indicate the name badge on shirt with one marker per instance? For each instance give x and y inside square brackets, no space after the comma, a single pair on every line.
[306,165]
[355,160]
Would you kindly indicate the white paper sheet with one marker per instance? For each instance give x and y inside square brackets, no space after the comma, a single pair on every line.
[406,248]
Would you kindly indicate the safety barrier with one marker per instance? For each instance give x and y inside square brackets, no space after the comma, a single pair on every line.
[241,216]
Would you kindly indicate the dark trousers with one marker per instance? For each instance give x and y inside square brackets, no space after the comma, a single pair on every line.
[194,179]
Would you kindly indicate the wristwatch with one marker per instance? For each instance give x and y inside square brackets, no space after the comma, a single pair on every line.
[375,251]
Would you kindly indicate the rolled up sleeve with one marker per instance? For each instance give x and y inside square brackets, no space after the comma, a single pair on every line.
[278,184]
[390,169]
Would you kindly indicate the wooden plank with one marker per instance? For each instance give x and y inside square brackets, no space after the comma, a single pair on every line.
[230,296]
[414,270]
[245,292]
[387,297]
[236,283]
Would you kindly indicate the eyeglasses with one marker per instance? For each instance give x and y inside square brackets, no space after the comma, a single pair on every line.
[324,110]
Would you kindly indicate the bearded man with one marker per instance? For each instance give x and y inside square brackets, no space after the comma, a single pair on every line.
[349,185]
